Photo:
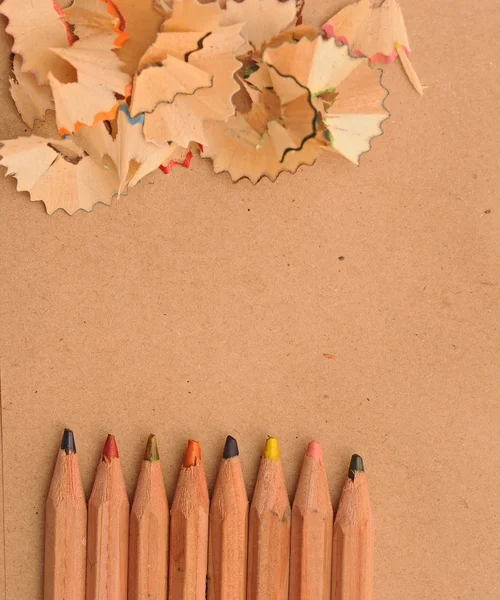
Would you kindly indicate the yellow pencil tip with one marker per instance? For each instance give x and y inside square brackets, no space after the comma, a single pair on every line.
[272,449]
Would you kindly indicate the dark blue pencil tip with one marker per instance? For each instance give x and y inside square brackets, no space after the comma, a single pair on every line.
[230,448]
[68,442]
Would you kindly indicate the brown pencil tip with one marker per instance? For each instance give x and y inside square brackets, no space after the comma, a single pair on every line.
[110,449]
[152,453]
[68,442]
[193,453]
[355,466]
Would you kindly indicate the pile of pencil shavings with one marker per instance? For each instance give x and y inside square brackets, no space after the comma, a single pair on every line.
[137,86]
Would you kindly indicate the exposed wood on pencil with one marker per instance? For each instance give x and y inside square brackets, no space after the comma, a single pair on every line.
[108,522]
[148,545]
[312,524]
[65,527]
[353,538]
[227,556]
[269,530]
[189,530]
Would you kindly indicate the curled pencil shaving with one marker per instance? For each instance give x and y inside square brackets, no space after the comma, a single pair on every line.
[182,158]
[128,152]
[192,33]
[181,121]
[163,81]
[191,15]
[136,157]
[32,100]
[92,97]
[136,86]
[142,23]
[276,135]
[58,173]
[347,92]
[91,17]
[35,32]
[375,29]
[263,19]
[89,167]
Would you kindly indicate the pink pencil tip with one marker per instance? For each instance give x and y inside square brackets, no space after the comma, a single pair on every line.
[315,451]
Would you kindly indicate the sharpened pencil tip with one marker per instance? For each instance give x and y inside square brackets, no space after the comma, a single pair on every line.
[193,453]
[355,466]
[314,450]
[272,449]
[152,453]
[230,448]
[68,442]
[110,449]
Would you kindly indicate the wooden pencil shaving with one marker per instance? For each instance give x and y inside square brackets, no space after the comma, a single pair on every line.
[191,15]
[347,93]
[162,82]
[142,23]
[376,29]
[128,152]
[32,100]
[263,18]
[135,157]
[36,31]
[92,97]
[293,34]
[58,173]
[136,86]
[182,120]
[278,134]
[89,17]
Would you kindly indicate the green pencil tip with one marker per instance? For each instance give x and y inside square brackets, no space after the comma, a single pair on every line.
[152,453]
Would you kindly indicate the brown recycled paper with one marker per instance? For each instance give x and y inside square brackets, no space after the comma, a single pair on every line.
[357,306]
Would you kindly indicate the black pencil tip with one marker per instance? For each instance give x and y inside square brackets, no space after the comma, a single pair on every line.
[355,466]
[68,442]
[230,448]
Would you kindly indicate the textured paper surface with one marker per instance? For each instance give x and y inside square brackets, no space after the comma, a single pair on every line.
[196,307]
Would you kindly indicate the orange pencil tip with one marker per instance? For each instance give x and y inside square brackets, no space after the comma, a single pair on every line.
[314,450]
[110,449]
[193,453]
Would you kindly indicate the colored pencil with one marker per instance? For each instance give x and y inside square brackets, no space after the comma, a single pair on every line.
[148,541]
[312,525]
[65,527]
[228,530]
[189,530]
[353,538]
[108,520]
[269,530]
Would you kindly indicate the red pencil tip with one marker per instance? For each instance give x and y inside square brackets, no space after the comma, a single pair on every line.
[193,453]
[110,449]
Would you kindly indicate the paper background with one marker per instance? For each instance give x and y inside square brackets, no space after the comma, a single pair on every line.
[196,307]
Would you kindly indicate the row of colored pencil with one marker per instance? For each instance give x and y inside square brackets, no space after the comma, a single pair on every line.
[265,551]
